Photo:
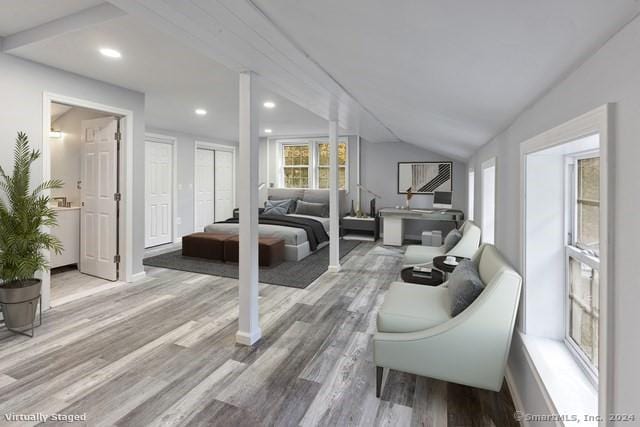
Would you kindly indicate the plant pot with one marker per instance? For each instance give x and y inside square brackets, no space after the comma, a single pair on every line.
[19,303]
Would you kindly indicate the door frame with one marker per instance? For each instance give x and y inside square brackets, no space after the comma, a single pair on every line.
[173,141]
[214,147]
[125,234]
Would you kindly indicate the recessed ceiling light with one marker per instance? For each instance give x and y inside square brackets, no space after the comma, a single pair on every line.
[267,131]
[269,104]
[201,111]
[110,53]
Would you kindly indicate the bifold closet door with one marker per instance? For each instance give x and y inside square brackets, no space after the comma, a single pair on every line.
[158,194]
[205,188]
[223,185]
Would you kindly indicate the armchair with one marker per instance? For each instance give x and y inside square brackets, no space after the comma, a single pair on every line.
[466,247]
[417,334]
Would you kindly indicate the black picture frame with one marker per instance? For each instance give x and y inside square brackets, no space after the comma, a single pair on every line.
[403,191]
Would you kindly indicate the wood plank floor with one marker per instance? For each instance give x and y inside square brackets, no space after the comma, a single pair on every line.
[161,351]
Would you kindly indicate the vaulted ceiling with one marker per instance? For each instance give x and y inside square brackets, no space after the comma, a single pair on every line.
[443,75]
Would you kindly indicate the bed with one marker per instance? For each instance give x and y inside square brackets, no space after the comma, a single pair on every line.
[296,240]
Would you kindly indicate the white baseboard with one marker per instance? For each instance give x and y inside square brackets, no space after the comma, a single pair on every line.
[137,276]
[515,396]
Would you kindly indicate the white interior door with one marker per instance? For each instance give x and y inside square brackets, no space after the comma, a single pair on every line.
[223,185]
[158,194]
[98,219]
[205,180]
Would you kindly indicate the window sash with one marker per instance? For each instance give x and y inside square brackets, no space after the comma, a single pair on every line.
[314,167]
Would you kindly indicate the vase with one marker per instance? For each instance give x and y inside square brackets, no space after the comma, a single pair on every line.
[353,211]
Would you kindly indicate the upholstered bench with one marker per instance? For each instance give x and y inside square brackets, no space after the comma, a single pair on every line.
[205,245]
[270,250]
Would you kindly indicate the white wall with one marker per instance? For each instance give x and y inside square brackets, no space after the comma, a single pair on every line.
[379,173]
[610,75]
[22,84]
[66,152]
[185,173]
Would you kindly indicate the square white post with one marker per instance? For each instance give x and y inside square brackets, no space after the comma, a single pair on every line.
[249,321]
[334,208]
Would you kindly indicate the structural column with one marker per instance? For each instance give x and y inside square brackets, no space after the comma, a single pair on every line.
[334,199]
[249,321]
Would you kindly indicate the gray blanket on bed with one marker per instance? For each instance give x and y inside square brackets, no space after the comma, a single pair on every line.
[316,233]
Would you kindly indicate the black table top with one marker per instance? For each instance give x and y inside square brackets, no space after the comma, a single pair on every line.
[419,278]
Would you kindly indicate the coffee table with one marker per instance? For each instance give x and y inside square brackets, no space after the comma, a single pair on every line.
[409,276]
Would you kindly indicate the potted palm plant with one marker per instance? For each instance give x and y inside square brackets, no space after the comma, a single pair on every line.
[23,213]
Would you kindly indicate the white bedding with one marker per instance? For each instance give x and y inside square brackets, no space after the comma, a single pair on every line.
[291,236]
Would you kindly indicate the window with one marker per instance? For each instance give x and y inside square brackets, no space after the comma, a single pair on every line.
[582,265]
[323,165]
[305,163]
[471,187]
[489,200]
[296,162]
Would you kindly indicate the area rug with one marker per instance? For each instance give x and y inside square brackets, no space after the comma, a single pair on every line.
[293,274]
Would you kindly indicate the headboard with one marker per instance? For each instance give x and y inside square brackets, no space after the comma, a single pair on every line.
[308,195]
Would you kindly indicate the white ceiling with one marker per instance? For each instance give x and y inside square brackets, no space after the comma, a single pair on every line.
[448,75]
[19,15]
[175,79]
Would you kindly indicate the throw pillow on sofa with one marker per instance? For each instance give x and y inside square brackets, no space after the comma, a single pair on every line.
[452,239]
[464,286]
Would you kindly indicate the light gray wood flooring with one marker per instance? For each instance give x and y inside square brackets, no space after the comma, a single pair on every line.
[161,351]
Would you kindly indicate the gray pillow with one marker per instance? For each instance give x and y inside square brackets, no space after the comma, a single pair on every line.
[464,286]
[452,239]
[312,209]
[277,207]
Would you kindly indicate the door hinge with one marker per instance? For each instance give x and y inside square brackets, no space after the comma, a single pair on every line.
[117,197]
[116,259]
[118,136]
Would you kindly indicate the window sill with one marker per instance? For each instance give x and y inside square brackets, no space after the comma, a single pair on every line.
[567,386]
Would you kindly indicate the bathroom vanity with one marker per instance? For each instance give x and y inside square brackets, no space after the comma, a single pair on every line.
[68,232]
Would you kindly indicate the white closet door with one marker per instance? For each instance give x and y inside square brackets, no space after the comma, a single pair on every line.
[158,194]
[224,185]
[98,219]
[204,188]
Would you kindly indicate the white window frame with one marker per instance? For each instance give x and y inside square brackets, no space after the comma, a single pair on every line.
[314,159]
[597,121]
[488,164]
[471,188]
[572,250]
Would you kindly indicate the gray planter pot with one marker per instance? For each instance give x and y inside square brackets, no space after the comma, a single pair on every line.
[19,304]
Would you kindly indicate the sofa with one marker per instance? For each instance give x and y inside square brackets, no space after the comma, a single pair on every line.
[417,334]
[466,247]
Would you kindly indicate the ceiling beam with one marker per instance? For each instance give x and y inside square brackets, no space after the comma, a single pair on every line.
[240,36]
[76,21]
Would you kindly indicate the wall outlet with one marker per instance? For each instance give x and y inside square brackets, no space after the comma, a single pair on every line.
[178,221]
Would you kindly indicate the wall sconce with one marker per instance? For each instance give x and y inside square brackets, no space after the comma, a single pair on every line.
[55,134]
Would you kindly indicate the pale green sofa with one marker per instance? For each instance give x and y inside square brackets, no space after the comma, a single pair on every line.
[466,247]
[416,333]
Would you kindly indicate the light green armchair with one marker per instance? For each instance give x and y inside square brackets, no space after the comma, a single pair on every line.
[416,333]
[466,247]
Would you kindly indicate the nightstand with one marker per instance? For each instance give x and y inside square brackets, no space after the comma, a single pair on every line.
[365,228]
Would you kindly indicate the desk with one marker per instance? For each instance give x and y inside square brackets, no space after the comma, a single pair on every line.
[393,224]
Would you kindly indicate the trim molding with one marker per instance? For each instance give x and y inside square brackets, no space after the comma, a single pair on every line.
[515,395]
[138,276]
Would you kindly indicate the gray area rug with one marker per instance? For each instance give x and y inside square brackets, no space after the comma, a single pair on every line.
[293,274]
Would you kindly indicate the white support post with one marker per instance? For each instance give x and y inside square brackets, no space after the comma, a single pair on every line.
[334,207]
[249,321]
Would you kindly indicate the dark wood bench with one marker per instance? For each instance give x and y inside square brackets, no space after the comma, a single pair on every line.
[270,250]
[205,245]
